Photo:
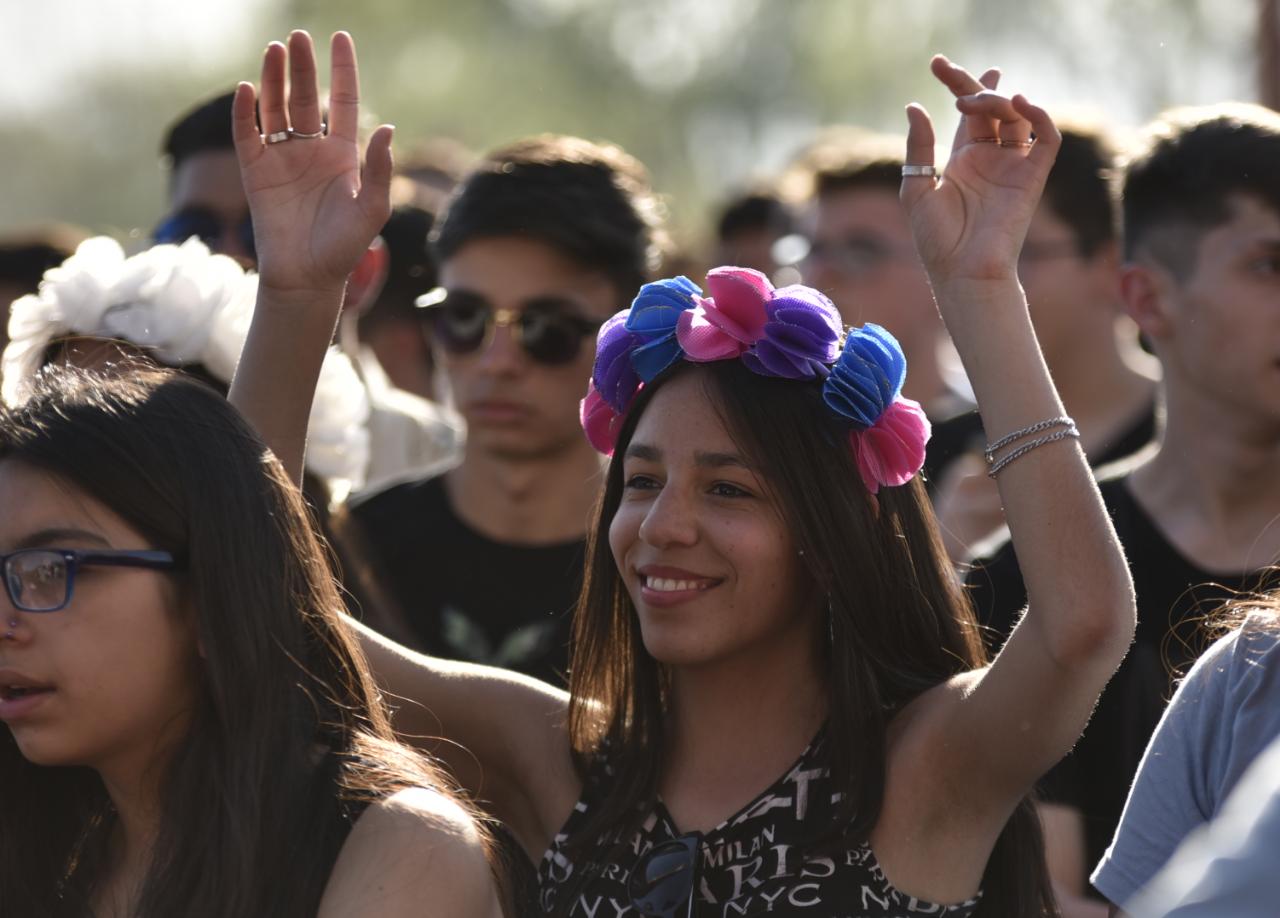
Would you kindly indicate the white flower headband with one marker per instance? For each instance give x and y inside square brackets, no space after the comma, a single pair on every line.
[184,306]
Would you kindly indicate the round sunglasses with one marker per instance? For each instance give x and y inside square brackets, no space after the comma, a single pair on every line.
[547,328]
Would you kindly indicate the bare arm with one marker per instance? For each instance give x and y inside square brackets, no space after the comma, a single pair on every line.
[964,753]
[503,735]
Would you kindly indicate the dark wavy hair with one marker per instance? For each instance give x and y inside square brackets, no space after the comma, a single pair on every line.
[590,202]
[899,622]
[1180,182]
[289,739]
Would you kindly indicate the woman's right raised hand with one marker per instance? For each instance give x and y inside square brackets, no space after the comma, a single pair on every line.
[314,211]
[969,222]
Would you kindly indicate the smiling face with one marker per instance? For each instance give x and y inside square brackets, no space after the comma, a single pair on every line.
[515,406]
[114,668]
[698,540]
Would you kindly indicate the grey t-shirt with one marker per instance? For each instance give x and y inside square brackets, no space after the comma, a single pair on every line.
[1229,866]
[1221,718]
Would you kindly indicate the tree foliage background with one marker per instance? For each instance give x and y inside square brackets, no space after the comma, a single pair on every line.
[708,93]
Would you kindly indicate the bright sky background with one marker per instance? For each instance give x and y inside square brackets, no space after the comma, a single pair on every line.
[47,45]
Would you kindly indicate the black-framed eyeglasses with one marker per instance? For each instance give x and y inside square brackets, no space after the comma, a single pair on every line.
[662,881]
[43,579]
[548,328]
[207,225]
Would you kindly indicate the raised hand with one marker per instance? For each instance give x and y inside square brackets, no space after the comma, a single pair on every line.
[314,211]
[969,222]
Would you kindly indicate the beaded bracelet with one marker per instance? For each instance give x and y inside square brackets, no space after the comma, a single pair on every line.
[995,465]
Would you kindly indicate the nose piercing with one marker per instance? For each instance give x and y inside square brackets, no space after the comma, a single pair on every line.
[9,635]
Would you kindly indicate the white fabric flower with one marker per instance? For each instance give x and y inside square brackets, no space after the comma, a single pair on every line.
[182,305]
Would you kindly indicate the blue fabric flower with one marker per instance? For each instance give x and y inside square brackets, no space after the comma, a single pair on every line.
[867,377]
[652,320]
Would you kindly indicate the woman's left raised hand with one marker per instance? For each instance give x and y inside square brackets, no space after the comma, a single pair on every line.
[970,221]
[314,210]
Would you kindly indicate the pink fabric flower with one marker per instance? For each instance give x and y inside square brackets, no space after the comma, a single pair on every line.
[732,319]
[891,451]
[599,421]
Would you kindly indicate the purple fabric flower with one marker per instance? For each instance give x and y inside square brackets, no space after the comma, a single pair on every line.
[653,317]
[801,337]
[868,377]
[614,377]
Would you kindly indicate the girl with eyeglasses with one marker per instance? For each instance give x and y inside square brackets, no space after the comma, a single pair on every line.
[779,702]
[189,730]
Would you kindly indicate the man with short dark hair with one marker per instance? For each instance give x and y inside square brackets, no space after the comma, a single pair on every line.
[545,240]
[1199,516]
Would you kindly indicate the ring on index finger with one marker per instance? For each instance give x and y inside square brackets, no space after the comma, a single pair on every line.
[277,137]
[909,171]
[1024,144]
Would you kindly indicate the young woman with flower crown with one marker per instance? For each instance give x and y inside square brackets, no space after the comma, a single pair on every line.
[778,701]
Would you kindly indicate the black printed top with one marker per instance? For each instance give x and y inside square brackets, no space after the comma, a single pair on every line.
[751,864]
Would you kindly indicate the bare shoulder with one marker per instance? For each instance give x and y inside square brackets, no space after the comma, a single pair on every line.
[415,853]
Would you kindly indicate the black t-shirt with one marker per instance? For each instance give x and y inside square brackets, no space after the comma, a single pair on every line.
[463,595]
[1174,596]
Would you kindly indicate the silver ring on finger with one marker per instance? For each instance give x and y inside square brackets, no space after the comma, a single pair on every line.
[1023,144]
[277,137]
[911,170]
[302,135]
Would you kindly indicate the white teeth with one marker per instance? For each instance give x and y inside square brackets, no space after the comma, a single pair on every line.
[666,585]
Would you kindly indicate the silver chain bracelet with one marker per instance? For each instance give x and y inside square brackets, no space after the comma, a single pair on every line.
[1061,421]
[1070,431]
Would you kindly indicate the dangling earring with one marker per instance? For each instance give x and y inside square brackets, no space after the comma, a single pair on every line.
[831,622]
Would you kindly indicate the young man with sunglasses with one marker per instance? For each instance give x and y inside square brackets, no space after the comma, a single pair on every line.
[545,240]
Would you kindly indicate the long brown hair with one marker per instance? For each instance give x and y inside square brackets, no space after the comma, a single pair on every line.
[899,623]
[289,738]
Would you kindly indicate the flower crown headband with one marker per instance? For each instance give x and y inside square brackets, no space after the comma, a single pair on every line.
[184,306]
[791,333]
